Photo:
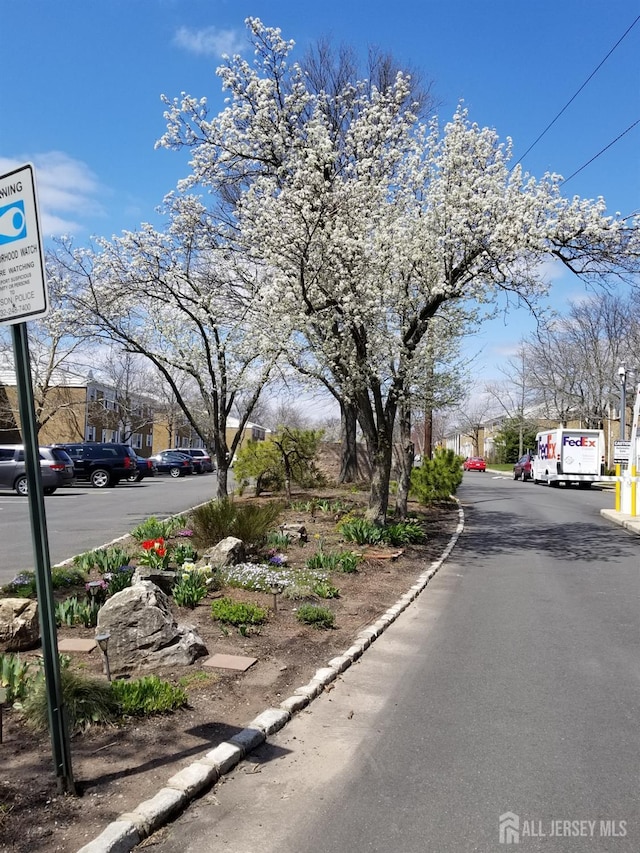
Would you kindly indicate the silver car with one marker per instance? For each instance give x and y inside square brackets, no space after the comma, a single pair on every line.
[56,468]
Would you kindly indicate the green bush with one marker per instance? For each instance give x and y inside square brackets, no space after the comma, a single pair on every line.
[190,589]
[438,478]
[237,613]
[87,702]
[317,617]
[218,519]
[147,695]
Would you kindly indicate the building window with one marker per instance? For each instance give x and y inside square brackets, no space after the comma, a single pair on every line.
[136,440]
[104,436]
[91,433]
[149,441]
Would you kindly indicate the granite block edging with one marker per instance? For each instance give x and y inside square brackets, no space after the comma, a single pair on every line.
[129,829]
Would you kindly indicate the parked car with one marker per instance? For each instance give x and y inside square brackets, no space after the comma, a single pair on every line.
[523,469]
[101,464]
[474,463]
[144,468]
[56,468]
[173,463]
[196,461]
[197,453]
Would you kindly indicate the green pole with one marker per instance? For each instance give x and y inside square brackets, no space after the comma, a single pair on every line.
[46,607]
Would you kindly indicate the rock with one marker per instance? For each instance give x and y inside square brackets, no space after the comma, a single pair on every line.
[297,532]
[229,552]
[163,578]
[143,632]
[19,625]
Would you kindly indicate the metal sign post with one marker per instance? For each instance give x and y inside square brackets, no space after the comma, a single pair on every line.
[23,295]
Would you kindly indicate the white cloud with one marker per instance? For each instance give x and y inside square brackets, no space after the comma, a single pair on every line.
[67,191]
[209,41]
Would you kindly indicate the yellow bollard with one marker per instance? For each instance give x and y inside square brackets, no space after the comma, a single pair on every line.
[634,491]
[618,489]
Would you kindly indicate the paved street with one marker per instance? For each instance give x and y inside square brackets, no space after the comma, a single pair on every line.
[81,518]
[510,688]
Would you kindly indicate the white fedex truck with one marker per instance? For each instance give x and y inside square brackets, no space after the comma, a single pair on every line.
[569,456]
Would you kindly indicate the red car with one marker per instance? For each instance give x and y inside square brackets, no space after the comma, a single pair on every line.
[474,463]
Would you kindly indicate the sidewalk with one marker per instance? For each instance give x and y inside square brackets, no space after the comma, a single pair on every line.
[629,522]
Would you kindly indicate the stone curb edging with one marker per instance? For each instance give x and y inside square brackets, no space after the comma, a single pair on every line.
[130,828]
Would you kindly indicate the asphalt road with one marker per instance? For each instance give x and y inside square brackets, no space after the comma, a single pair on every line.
[81,518]
[510,688]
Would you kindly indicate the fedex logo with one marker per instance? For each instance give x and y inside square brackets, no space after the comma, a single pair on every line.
[581,441]
[547,449]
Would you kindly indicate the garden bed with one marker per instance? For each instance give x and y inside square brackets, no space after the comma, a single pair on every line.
[117,767]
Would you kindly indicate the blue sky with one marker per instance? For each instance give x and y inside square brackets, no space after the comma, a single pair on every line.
[83,78]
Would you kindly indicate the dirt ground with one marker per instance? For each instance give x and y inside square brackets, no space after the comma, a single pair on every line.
[117,768]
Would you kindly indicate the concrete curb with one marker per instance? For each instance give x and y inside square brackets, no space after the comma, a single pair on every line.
[629,522]
[129,829]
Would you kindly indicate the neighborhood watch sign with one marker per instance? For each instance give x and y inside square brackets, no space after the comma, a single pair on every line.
[23,291]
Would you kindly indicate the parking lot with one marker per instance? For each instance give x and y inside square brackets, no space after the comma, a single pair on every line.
[80,517]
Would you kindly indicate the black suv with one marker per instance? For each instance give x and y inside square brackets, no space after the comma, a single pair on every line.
[99,463]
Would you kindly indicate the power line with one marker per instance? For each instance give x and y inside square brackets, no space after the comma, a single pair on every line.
[595,156]
[570,101]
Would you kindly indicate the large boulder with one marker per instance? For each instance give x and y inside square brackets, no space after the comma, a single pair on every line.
[19,625]
[143,632]
[228,552]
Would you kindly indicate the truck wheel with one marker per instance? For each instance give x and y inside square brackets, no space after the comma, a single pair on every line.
[100,478]
[584,485]
[49,490]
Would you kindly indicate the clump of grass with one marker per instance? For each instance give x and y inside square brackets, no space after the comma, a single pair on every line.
[87,701]
[317,617]
[364,532]
[361,531]
[141,697]
[153,528]
[218,519]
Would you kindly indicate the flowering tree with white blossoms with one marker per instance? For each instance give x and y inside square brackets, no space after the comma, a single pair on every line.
[367,235]
[174,299]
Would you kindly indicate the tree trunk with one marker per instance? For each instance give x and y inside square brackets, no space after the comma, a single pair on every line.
[381,457]
[349,470]
[405,457]
[428,433]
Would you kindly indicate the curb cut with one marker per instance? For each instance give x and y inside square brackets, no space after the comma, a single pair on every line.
[130,828]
